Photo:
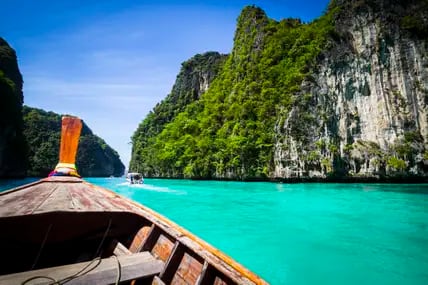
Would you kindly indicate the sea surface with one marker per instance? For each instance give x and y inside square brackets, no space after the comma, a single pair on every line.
[300,233]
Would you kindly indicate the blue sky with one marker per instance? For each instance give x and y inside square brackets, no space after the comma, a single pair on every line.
[110,62]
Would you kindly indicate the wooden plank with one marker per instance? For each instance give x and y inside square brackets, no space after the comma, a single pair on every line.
[87,200]
[59,200]
[118,248]
[207,275]
[210,276]
[151,238]
[219,281]
[157,281]
[221,266]
[105,271]
[94,198]
[139,238]
[26,200]
[163,248]
[188,271]
[29,185]
[173,262]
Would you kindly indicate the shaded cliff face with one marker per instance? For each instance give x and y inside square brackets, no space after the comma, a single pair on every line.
[13,162]
[42,130]
[95,158]
[193,80]
[367,95]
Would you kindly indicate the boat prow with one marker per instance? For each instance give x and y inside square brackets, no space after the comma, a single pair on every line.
[64,229]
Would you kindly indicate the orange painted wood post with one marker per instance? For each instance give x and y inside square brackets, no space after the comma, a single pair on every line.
[70,134]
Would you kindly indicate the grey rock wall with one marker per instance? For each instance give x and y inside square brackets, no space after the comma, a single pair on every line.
[368,101]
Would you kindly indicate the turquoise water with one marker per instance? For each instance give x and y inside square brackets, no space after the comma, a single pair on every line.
[301,233]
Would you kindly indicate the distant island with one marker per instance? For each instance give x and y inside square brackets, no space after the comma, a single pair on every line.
[42,131]
[343,98]
[29,137]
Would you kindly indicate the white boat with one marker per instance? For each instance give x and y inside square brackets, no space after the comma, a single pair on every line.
[135,178]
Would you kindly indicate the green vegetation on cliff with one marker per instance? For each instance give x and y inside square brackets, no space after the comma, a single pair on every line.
[229,131]
[13,151]
[29,138]
[296,100]
[42,131]
[195,76]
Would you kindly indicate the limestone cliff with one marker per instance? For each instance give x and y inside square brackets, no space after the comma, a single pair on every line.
[368,97]
[194,78]
[42,130]
[342,97]
[13,161]
[29,138]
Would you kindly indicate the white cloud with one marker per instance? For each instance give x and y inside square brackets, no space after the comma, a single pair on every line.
[113,69]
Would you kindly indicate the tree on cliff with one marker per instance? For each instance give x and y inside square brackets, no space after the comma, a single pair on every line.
[42,130]
[323,99]
[13,159]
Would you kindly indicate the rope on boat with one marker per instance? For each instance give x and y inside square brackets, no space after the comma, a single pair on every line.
[81,272]
[65,169]
[104,237]
[41,247]
[41,277]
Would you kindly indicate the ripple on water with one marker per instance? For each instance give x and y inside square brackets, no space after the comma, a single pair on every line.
[302,233]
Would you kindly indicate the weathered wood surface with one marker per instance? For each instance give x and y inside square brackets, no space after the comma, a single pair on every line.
[60,194]
[61,210]
[157,281]
[119,249]
[188,271]
[24,201]
[75,195]
[105,271]
[139,238]
[162,249]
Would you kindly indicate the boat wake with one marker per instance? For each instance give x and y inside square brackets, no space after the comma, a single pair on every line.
[149,187]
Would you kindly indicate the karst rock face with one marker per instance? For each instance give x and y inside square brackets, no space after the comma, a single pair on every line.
[194,79]
[342,97]
[368,97]
[30,137]
[13,162]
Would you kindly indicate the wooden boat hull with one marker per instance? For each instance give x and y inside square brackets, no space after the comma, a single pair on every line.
[64,221]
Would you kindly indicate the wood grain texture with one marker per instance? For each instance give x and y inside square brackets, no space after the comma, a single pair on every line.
[207,275]
[60,210]
[73,195]
[188,271]
[219,281]
[157,281]
[58,193]
[135,266]
[137,242]
[162,248]
[70,133]
[119,249]
[25,201]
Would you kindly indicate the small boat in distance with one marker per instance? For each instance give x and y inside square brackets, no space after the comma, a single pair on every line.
[64,230]
[135,178]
